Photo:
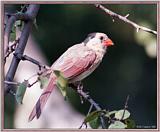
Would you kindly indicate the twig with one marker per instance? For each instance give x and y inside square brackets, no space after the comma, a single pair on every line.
[17,83]
[23,8]
[90,109]
[11,48]
[83,123]
[31,12]
[13,83]
[12,92]
[27,58]
[125,106]
[30,85]
[8,29]
[10,23]
[91,101]
[125,19]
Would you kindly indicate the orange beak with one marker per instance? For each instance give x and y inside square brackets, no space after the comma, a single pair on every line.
[108,42]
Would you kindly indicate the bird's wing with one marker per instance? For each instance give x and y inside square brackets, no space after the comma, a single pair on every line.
[75,61]
[72,63]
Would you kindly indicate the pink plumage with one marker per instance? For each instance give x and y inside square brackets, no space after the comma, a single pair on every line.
[76,63]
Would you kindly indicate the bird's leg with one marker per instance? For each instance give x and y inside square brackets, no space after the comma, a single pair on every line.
[79,87]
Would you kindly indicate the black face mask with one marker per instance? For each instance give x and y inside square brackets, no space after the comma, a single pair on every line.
[89,37]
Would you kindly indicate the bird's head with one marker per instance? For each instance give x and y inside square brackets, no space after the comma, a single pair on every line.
[98,41]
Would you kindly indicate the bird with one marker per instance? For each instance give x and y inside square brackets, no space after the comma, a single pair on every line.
[76,63]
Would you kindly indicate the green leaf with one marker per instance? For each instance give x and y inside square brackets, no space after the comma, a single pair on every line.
[62,82]
[18,23]
[117,125]
[13,29]
[95,123]
[93,115]
[21,91]
[12,37]
[63,90]
[108,114]
[130,123]
[57,73]
[13,34]
[119,114]
[112,112]
[43,81]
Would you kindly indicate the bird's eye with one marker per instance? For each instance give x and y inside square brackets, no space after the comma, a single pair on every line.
[101,38]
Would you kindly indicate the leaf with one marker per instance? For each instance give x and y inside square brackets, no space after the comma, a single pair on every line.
[95,123]
[119,114]
[93,115]
[108,114]
[62,82]
[12,37]
[63,91]
[117,125]
[22,25]
[18,23]
[130,123]
[43,81]
[13,34]
[21,91]
[112,112]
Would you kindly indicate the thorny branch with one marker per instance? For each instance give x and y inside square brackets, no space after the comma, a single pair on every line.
[17,83]
[10,49]
[125,106]
[27,58]
[30,15]
[91,101]
[13,83]
[125,19]
[8,28]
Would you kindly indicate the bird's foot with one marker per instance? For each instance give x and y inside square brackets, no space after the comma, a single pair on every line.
[80,90]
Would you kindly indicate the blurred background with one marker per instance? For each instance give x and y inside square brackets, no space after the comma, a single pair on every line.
[129,67]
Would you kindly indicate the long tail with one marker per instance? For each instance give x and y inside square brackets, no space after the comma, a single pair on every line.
[37,110]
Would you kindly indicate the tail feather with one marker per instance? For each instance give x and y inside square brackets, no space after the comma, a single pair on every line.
[37,110]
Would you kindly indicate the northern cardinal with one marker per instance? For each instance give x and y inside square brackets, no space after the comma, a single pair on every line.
[76,63]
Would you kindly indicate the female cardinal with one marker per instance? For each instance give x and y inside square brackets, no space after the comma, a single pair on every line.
[76,63]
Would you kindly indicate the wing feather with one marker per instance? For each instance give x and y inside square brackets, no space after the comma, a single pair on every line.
[75,61]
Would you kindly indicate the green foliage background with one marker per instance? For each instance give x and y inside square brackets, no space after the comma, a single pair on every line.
[126,68]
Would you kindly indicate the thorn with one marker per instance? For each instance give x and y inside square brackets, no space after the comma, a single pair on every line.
[39,67]
[12,92]
[97,5]
[126,16]
[137,29]
[81,99]
[113,20]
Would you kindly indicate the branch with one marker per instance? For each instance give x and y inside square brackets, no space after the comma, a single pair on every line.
[124,18]
[13,83]
[13,18]
[125,106]
[90,100]
[27,58]
[31,12]
[7,32]
[10,49]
